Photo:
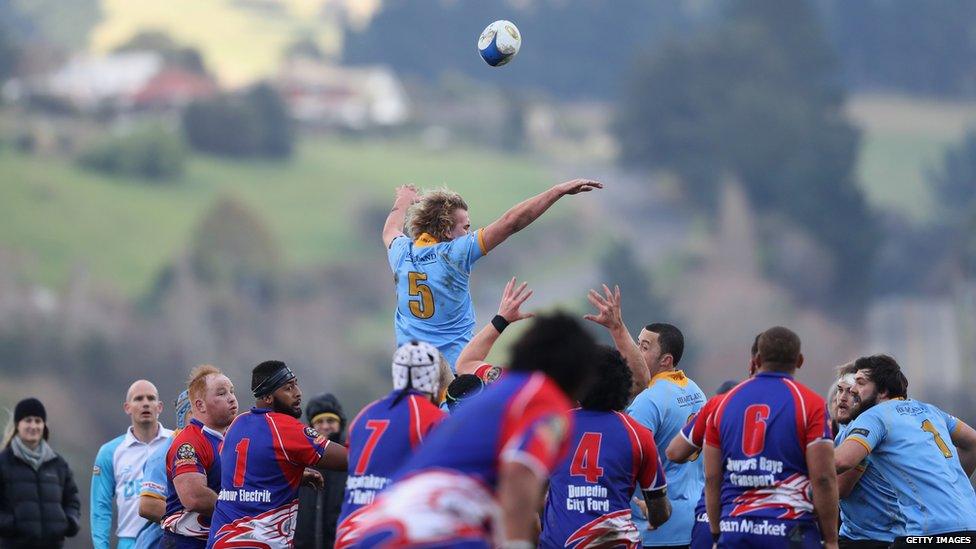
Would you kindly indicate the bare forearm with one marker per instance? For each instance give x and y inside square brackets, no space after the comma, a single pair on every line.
[152,509]
[519,493]
[394,222]
[519,217]
[476,351]
[825,505]
[201,500]
[628,348]
[967,458]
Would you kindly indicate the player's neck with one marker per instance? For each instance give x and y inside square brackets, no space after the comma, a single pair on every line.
[663,370]
[145,433]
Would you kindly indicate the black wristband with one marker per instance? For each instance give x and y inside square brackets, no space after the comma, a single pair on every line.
[500,323]
[715,537]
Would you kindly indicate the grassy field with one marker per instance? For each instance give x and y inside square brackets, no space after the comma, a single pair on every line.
[124,231]
[903,137]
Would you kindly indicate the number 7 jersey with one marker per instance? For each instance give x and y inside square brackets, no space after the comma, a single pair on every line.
[433,300]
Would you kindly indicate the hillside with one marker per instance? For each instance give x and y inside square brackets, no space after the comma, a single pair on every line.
[124,231]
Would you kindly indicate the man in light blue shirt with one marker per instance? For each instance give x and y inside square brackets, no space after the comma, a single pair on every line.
[664,407]
[117,473]
[152,497]
[926,454]
[869,513]
[432,267]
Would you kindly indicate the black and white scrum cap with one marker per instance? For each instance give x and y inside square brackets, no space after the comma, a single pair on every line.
[416,365]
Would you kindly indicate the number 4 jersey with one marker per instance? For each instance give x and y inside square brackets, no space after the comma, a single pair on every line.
[910,446]
[433,300]
[588,504]
[262,461]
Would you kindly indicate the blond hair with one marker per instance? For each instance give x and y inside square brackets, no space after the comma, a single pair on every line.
[196,384]
[434,214]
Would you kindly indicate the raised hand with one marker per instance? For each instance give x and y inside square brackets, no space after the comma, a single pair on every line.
[607,307]
[577,186]
[408,193]
[512,298]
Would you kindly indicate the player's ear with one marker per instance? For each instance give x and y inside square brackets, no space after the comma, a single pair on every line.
[799,361]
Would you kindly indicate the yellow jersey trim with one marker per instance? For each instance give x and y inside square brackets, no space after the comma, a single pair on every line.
[861,441]
[674,376]
[425,240]
[151,495]
[481,241]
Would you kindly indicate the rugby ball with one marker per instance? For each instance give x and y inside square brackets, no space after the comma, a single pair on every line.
[499,43]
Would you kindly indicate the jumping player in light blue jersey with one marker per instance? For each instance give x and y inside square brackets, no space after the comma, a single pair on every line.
[926,454]
[432,266]
[869,514]
[664,407]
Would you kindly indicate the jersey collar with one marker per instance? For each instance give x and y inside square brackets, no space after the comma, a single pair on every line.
[774,374]
[161,432]
[674,376]
[424,240]
[208,430]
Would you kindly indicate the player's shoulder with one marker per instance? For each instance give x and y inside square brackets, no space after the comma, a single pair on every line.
[808,394]
[424,404]
[632,424]
[109,449]
[284,420]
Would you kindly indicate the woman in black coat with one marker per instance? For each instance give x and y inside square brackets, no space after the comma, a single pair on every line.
[39,504]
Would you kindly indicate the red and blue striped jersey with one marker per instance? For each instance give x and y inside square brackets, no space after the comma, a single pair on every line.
[194,450]
[763,427]
[523,417]
[382,437]
[589,492]
[262,461]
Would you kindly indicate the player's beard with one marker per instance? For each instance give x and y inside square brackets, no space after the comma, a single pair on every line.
[863,404]
[282,407]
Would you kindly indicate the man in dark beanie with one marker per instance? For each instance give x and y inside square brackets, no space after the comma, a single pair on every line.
[318,510]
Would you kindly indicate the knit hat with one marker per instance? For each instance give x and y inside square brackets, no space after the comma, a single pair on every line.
[29,407]
[328,405]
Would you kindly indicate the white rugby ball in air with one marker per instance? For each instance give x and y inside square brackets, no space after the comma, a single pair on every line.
[499,43]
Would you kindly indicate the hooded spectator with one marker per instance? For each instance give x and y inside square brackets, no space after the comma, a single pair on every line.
[318,510]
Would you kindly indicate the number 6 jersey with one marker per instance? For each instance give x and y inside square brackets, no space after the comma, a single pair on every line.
[763,427]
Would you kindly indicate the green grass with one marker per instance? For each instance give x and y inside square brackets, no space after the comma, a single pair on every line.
[125,231]
[902,138]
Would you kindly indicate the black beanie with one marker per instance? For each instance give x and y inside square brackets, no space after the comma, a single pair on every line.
[29,407]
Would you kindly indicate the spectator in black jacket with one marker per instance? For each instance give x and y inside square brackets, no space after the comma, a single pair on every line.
[318,510]
[39,504]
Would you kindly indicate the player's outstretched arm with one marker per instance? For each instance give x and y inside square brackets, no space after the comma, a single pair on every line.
[335,458]
[609,316]
[476,351]
[406,195]
[194,493]
[527,211]
[520,496]
[964,439]
[823,480]
[712,457]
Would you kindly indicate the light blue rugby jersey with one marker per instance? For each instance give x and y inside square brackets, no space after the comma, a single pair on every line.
[870,511]
[910,446]
[153,485]
[433,300]
[665,407]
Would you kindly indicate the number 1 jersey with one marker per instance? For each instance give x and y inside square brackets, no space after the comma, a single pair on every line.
[433,299]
